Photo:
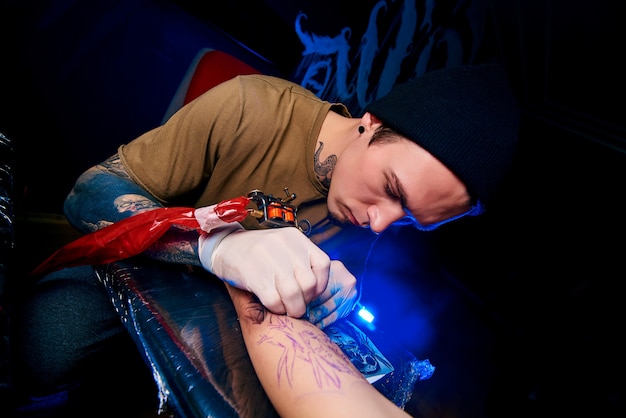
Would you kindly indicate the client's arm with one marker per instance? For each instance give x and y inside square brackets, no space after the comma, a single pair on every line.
[302,371]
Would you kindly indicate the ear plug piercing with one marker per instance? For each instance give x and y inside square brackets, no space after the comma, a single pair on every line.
[361,129]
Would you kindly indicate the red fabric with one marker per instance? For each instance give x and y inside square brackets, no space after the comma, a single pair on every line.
[214,68]
[131,236]
[117,241]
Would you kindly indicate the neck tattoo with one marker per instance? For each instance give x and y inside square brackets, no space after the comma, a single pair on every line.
[323,169]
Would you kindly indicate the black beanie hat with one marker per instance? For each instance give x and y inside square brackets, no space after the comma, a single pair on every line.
[465,116]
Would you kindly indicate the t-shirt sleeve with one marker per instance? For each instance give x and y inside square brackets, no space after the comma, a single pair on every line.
[178,157]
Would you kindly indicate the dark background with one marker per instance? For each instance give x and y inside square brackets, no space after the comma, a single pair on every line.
[520,310]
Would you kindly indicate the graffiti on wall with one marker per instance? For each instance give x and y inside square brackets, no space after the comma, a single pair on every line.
[401,40]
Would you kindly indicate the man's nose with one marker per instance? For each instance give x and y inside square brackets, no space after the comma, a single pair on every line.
[381,217]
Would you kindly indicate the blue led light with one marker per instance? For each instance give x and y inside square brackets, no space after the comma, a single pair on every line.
[366,315]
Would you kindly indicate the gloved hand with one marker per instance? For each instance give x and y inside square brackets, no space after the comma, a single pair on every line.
[337,300]
[281,266]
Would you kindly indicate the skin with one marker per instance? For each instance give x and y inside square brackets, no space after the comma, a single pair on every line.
[302,371]
[374,185]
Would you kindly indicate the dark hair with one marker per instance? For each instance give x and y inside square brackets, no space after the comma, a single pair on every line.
[384,135]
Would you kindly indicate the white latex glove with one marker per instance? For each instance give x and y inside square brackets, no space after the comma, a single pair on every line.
[281,266]
[337,300]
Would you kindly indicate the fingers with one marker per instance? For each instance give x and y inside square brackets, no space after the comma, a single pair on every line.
[282,267]
[328,320]
[337,300]
[300,273]
[310,267]
[338,306]
[308,284]
[272,301]
[320,269]
[291,294]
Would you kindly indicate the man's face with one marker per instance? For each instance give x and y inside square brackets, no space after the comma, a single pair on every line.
[378,184]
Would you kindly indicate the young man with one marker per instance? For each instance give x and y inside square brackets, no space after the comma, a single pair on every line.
[432,150]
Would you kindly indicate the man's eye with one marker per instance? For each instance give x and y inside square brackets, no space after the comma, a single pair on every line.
[390,192]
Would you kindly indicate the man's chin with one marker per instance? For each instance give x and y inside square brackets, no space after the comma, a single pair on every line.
[345,223]
[339,220]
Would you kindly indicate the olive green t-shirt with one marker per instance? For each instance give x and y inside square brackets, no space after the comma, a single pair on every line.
[251,132]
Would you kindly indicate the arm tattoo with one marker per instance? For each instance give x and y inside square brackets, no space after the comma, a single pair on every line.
[114,165]
[306,349]
[302,347]
[323,169]
[176,246]
[254,310]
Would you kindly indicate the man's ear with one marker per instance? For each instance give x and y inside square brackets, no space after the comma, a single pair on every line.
[371,122]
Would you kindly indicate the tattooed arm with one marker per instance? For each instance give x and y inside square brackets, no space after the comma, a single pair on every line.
[302,371]
[118,198]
